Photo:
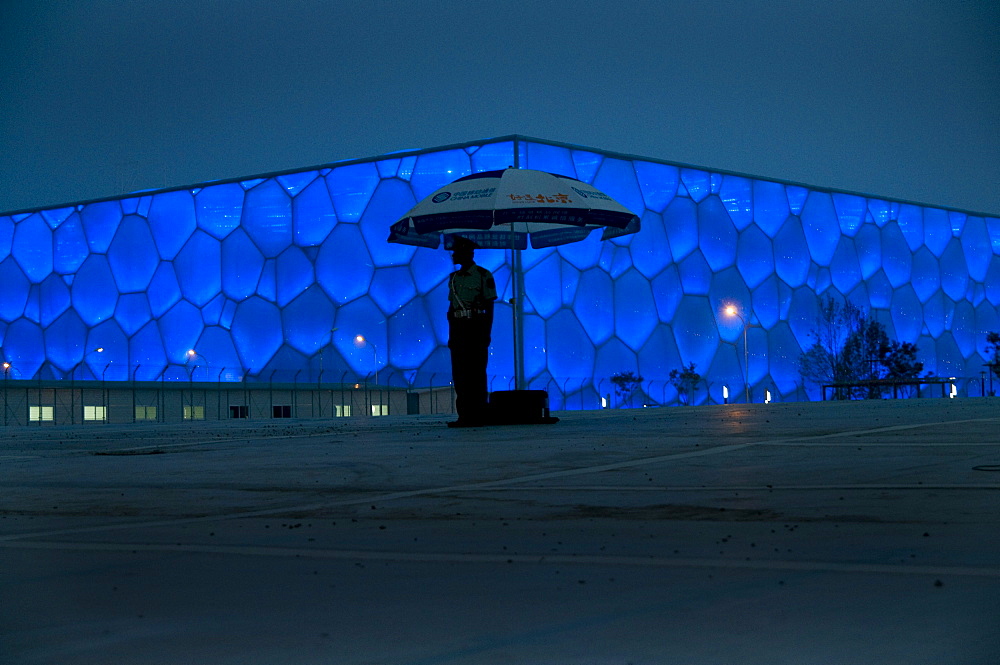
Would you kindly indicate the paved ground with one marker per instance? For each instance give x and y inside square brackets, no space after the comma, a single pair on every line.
[795,533]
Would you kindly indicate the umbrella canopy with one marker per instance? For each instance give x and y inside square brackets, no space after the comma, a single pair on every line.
[504,209]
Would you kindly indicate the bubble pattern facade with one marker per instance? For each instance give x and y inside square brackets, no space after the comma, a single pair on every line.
[272,278]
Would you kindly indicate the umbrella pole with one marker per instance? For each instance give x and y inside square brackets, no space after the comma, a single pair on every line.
[517,289]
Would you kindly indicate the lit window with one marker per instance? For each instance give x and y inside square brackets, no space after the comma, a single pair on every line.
[145,413]
[94,413]
[380,409]
[342,411]
[41,413]
[194,412]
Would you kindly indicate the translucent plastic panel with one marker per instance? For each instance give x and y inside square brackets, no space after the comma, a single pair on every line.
[783,354]
[362,317]
[388,168]
[351,187]
[100,221]
[6,236]
[56,216]
[257,332]
[242,264]
[64,341]
[737,195]
[667,293]
[32,309]
[717,235]
[652,253]
[308,321]
[294,183]
[987,318]
[32,248]
[657,182]
[695,274]
[906,314]
[172,221]
[411,336]
[697,183]
[217,357]
[267,218]
[897,260]
[550,158]
[954,272]
[937,230]
[868,242]
[821,227]
[584,254]
[728,288]
[754,257]
[211,313]
[147,357]
[437,169]
[937,313]
[635,309]
[541,285]
[219,209]
[911,223]
[392,200]
[616,178]
[796,198]
[113,362]
[803,316]
[570,282]
[294,275]
[964,329]
[845,270]
[24,348]
[926,277]
[267,287]
[950,361]
[132,255]
[313,215]
[681,222]
[70,248]
[612,358]
[992,281]
[767,303]
[132,312]
[770,206]
[54,300]
[344,268]
[879,291]
[791,253]
[593,305]
[392,288]
[428,268]
[695,331]
[198,267]
[14,294]
[976,246]
[659,355]
[570,351]
[851,211]
[957,221]
[181,327]
[164,291]
[95,293]
[586,163]
[493,156]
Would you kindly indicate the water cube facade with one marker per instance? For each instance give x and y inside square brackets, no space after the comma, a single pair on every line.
[275,278]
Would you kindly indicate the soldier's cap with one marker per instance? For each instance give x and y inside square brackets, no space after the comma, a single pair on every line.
[460,243]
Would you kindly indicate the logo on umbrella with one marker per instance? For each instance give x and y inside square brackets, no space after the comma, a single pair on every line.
[441,197]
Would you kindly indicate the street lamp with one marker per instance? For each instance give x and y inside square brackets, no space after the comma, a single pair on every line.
[191,356]
[732,311]
[360,341]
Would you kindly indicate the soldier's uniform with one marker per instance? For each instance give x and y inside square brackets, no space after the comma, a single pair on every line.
[471,292]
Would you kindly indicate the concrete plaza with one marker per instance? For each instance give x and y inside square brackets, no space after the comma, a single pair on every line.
[860,532]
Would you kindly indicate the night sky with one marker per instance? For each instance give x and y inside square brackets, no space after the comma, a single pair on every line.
[896,98]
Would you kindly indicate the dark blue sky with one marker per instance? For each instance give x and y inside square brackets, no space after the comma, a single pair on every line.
[897,98]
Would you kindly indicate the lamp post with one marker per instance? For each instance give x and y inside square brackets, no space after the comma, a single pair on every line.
[732,311]
[360,341]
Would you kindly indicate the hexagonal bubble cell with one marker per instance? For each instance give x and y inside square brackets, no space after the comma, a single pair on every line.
[293,275]
[937,230]
[70,246]
[963,329]
[570,351]
[616,178]
[6,236]
[267,218]
[821,227]
[133,312]
[411,338]
[64,341]
[436,169]
[717,235]
[215,357]
[613,357]
[242,264]
[635,309]
[147,356]
[351,187]
[697,183]
[54,299]
[845,269]
[94,290]
[594,292]
[975,241]
[132,256]
[391,200]
[911,223]
[657,183]
[541,286]
[14,294]
[851,211]
[32,247]
[180,328]
[361,318]
[695,331]
[392,288]
[696,275]
[954,272]
[164,291]
[926,277]
[754,256]
[256,332]
[313,217]
[908,314]
[770,206]
[681,222]
[344,268]
[550,158]
[198,267]
[100,221]
[791,253]
[172,216]
[294,183]
[24,348]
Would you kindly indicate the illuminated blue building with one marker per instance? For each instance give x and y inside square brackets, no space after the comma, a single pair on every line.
[273,277]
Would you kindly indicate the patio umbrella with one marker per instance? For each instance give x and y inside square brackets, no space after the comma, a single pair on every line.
[508,209]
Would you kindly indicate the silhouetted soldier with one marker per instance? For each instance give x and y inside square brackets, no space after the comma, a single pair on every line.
[471,292]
